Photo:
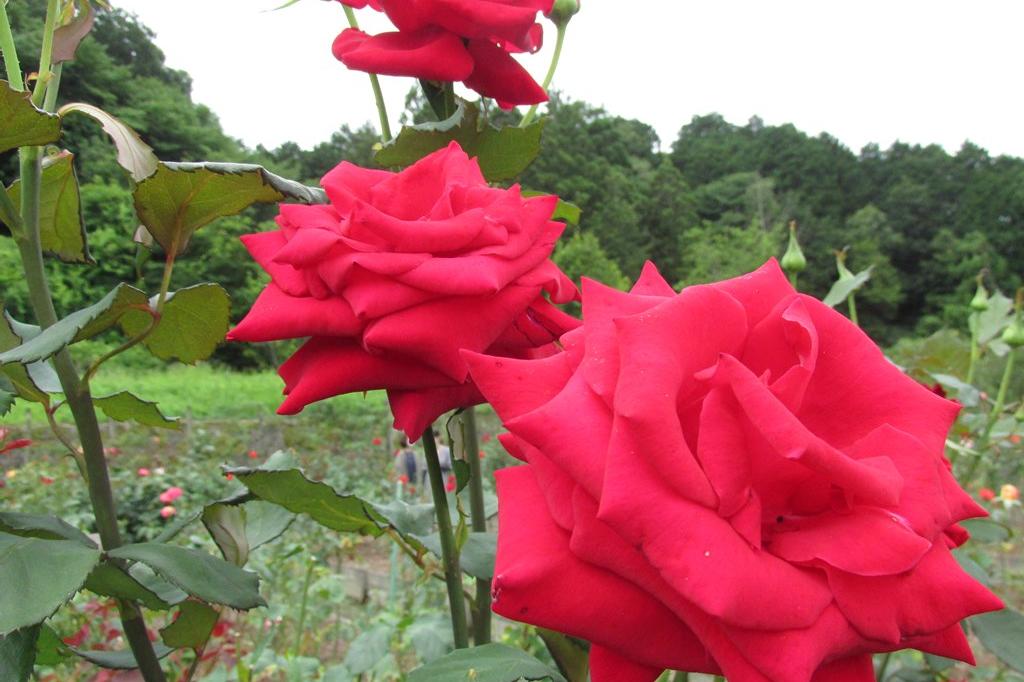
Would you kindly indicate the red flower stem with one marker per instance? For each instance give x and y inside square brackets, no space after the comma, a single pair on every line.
[77,394]
[478,516]
[559,41]
[385,128]
[449,552]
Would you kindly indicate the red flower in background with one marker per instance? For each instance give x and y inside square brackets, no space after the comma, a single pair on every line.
[398,274]
[452,40]
[987,494]
[737,473]
[171,494]
[377,441]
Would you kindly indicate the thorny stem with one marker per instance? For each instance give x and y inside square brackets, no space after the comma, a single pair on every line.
[559,41]
[471,449]
[449,552]
[9,52]
[385,127]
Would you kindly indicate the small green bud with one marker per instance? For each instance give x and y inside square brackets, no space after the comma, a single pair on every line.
[1013,335]
[793,261]
[844,272]
[563,10]
[980,300]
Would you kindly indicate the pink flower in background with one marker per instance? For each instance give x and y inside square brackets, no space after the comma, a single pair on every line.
[143,472]
[171,494]
[168,511]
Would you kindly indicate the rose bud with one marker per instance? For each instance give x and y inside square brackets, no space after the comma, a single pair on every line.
[793,261]
[980,301]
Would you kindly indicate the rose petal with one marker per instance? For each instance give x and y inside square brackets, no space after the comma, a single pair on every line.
[496,74]
[430,54]
[276,315]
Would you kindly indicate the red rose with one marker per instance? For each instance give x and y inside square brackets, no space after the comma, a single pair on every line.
[730,480]
[397,274]
[453,40]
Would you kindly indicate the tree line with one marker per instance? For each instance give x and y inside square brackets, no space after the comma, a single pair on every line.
[713,203]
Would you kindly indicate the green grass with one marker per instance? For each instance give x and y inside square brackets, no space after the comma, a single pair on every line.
[204,392]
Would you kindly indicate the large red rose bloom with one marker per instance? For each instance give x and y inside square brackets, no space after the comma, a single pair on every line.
[397,274]
[732,479]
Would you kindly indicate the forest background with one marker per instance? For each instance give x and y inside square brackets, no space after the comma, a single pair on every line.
[710,204]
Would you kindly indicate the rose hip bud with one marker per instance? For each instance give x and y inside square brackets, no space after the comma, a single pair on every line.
[980,300]
[793,261]
[1013,335]
[563,10]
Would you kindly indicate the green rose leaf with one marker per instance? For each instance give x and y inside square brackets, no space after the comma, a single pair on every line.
[846,286]
[238,529]
[38,577]
[180,198]
[118,660]
[61,228]
[987,530]
[6,395]
[367,649]
[477,555]
[134,155]
[503,153]
[24,124]
[43,527]
[34,382]
[199,574]
[50,650]
[192,627]
[278,482]
[1002,633]
[487,663]
[79,325]
[124,406]
[18,654]
[165,591]
[110,581]
[430,636]
[194,320]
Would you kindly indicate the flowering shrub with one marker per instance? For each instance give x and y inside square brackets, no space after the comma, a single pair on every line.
[737,472]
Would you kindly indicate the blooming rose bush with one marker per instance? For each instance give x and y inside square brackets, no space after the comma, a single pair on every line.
[397,274]
[452,40]
[731,480]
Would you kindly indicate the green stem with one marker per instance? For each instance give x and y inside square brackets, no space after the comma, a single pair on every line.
[851,303]
[302,608]
[974,322]
[997,407]
[559,41]
[478,515]
[45,56]
[681,676]
[9,51]
[449,552]
[385,127]
[792,279]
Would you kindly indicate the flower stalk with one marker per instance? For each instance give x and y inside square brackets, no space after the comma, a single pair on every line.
[449,551]
[559,41]
[478,519]
[378,95]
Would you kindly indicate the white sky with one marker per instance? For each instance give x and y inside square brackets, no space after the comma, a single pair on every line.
[919,71]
